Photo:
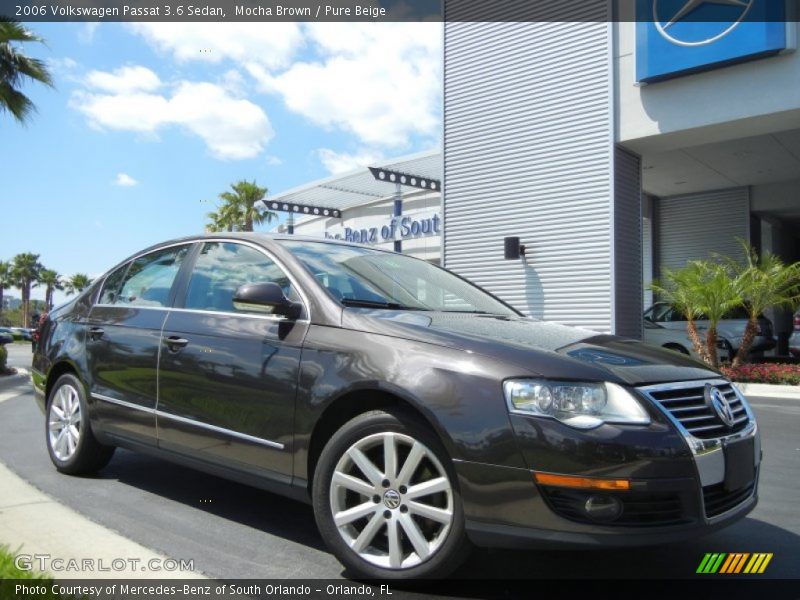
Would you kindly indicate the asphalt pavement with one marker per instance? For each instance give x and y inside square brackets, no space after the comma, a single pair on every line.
[235,531]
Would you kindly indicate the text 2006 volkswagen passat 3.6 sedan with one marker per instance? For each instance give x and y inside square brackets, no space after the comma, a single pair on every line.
[415,411]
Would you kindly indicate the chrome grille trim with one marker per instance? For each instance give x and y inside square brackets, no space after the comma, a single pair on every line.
[683,400]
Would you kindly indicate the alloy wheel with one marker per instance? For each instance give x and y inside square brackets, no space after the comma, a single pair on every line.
[391,500]
[65,422]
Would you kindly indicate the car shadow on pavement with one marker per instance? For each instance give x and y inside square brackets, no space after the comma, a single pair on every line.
[226,499]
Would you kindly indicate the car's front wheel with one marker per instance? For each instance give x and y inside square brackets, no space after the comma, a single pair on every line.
[385,499]
[70,441]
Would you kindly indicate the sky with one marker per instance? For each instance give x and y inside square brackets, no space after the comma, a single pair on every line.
[149,122]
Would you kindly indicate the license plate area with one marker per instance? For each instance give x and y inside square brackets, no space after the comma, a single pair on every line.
[740,465]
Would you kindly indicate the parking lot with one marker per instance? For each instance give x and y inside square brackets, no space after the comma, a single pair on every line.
[233,531]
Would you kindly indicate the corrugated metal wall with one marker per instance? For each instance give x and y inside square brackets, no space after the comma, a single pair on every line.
[627,244]
[647,249]
[698,225]
[528,151]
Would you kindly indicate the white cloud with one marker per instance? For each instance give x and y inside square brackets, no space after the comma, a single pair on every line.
[126,100]
[269,44]
[274,161]
[125,180]
[342,162]
[86,33]
[379,81]
[124,80]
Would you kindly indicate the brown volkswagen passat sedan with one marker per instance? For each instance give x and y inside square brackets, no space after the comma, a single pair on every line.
[415,411]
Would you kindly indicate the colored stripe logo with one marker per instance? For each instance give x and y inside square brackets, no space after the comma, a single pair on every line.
[733,563]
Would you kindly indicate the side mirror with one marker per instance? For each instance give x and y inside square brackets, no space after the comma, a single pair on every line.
[265,298]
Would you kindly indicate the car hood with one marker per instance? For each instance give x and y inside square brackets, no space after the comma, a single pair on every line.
[537,347]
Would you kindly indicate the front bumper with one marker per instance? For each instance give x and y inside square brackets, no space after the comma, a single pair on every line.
[680,487]
[506,509]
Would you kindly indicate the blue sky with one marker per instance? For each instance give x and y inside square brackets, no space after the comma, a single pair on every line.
[149,120]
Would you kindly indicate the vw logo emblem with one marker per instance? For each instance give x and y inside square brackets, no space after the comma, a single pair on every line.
[667,13]
[719,404]
[391,499]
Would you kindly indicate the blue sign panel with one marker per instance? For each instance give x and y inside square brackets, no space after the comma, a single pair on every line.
[678,37]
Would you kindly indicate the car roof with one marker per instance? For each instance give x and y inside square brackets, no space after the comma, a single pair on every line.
[259,236]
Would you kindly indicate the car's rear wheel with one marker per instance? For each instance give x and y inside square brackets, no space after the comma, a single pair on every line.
[385,499]
[677,348]
[70,441]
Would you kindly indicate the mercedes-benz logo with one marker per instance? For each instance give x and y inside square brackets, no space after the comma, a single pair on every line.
[391,499]
[719,404]
[664,22]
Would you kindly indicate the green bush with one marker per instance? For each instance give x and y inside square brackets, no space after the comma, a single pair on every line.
[3,359]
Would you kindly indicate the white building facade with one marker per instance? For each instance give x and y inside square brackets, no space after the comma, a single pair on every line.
[612,149]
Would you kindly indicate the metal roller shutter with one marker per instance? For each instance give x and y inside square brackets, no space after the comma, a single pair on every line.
[696,226]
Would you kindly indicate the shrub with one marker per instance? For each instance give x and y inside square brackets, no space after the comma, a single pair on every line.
[775,373]
[3,359]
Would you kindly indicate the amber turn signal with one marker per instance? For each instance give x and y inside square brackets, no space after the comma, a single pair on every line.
[585,483]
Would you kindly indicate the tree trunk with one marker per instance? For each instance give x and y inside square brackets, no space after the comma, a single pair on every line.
[747,341]
[248,224]
[1,299]
[711,346]
[697,343]
[26,294]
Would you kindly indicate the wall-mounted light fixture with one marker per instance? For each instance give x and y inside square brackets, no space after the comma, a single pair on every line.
[513,249]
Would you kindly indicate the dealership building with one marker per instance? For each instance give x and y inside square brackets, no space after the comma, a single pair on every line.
[611,149]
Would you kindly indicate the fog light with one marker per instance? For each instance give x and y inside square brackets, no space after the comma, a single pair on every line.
[603,508]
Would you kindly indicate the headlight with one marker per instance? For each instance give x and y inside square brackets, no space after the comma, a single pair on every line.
[580,405]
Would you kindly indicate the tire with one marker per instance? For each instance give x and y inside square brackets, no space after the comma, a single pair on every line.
[677,348]
[68,433]
[377,544]
[727,347]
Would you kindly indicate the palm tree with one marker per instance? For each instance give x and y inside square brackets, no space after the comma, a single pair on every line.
[77,283]
[701,289]
[764,282]
[681,290]
[5,281]
[16,69]
[25,269]
[52,282]
[238,211]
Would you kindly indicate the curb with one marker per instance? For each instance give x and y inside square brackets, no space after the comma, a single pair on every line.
[27,516]
[767,390]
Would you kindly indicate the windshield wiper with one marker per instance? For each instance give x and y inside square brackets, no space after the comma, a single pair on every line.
[377,304]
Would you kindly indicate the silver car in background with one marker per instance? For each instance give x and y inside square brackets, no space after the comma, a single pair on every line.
[730,329]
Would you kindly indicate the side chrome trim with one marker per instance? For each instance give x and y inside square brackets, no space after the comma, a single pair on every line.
[200,424]
[214,428]
[274,318]
[130,405]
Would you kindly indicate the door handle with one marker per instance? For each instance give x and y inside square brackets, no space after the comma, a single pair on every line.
[95,333]
[175,343]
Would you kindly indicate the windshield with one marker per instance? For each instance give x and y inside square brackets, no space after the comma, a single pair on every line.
[367,278]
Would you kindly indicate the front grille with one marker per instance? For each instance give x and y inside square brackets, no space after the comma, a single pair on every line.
[688,406]
[718,500]
[638,508]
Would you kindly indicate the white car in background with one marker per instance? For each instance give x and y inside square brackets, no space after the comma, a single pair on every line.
[678,340]
[730,329]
